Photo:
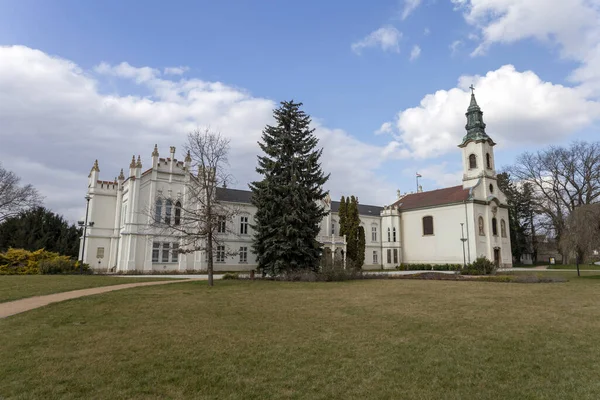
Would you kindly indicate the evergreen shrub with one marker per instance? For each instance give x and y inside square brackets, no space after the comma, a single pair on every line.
[25,262]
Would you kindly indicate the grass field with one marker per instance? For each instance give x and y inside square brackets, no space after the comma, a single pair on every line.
[375,339]
[13,287]
[573,266]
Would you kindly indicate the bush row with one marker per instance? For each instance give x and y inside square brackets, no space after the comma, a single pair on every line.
[24,262]
[429,267]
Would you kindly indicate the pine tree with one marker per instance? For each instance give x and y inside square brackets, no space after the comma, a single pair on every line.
[352,224]
[343,210]
[288,216]
[40,228]
[360,255]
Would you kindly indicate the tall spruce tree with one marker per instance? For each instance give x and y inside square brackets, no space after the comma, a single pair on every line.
[288,216]
[342,211]
[360,251]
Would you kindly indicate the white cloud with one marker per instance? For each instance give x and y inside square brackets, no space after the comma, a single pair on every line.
[55,122]
[519,108]
[126,71]
[571,25]
[387,38]
[176,70]
[426,32]
[409,7]
[454,46]
[441,175]
[415,52]
[386,127]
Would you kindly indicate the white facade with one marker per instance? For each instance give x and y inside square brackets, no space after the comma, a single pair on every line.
[423,227]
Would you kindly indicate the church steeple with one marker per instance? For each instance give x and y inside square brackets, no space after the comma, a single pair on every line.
[475,126]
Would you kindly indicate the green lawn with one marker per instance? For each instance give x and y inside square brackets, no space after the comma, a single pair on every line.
[13,287]
[375,339]
[573,266]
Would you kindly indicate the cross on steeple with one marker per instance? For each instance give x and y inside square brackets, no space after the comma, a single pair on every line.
[472,89]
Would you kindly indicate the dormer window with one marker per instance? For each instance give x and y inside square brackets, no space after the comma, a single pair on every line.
[472,161]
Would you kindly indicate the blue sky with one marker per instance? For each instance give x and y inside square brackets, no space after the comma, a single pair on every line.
[276,50]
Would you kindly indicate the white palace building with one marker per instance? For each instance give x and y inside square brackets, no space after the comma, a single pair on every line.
[421,227]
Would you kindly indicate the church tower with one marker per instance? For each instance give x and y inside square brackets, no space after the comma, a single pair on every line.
[478,151]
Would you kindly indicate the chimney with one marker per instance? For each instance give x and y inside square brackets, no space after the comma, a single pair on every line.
[420,190]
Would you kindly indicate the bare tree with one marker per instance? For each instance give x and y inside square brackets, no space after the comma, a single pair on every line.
[15,198]
[581,235]
[562,179]
[200,221]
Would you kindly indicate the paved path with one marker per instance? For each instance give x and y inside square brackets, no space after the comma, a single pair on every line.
[29,303]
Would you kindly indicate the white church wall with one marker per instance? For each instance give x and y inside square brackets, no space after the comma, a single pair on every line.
[444,246]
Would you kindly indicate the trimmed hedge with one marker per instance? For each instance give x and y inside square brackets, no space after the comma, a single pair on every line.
[429,267]
[25,262]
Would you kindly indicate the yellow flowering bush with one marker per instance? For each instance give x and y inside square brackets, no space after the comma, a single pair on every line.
[24,262]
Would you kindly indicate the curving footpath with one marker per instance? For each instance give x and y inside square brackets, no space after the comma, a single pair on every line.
[18,306]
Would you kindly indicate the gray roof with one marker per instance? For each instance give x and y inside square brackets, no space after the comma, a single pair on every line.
[234,195]
[363,209]
[245,196]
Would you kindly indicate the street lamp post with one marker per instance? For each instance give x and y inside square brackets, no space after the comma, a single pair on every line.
[85,225]
[463,240]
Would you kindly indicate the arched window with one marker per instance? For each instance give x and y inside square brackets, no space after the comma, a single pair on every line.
[394,234]
[488,160]
[177,213]
[481,228]
[491,188]
[168,207]
[472,161]
[503,228]
[494,227]
[158,211]
[389,235]
[428,225]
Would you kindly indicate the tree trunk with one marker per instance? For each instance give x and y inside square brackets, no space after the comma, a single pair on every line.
[209,249]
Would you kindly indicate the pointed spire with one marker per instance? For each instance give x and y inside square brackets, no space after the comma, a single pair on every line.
[95,167]
[139,162]
[132,165]
[475,126]
[121,175]
[155,152]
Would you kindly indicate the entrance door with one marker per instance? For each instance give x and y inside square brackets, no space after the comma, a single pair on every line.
[497,257]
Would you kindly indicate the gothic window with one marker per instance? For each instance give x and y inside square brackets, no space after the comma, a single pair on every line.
[168,207]
[488,160]
[175,253]
[243,225]
[503,228]
[165,252]
[428,225]
[394,233]
[481,230]
[494,227]
[374,257]
[177,213]
[389,256]
[220,254]
[389,235]
[472,161]
[243,255]
[373,233]
[158,210]
[221,224]
[155,251]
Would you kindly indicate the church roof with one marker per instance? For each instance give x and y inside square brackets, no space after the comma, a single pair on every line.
[245,196]
[234,195]
[432,198]
[475,126]
[363,209]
